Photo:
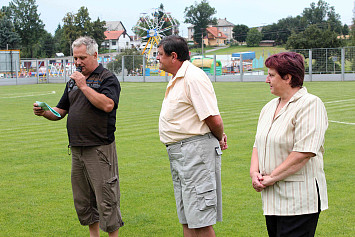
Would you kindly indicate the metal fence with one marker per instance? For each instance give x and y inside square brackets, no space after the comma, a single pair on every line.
[321,62]
[36,71]
[331,64]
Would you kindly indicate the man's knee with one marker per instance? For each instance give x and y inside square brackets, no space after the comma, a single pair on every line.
[206,231]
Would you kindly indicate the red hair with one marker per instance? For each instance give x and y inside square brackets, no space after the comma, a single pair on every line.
[288,63]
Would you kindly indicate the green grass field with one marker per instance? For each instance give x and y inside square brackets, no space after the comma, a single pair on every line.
[35,189]
[259,51]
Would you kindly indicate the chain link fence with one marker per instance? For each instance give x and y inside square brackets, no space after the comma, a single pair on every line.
[330,64]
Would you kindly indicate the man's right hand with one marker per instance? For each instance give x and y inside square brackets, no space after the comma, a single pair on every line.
[38,110]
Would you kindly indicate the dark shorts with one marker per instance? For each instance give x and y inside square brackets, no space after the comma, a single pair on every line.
[95,184]
[195,165]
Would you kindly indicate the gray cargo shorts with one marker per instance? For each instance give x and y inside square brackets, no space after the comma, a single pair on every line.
[95,184]
[195,165]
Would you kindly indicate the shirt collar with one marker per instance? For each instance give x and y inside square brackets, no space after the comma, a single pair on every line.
[301,92]
[180,74]
[99,69]
[182,70]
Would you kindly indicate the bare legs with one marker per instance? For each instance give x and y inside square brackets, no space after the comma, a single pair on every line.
[199,232]
[95,231]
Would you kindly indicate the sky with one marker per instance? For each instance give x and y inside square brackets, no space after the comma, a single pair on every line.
[248,12]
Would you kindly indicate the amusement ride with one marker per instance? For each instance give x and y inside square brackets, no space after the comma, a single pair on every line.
[152,26]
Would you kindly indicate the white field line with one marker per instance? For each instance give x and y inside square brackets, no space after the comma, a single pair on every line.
[19,96]
[337,101]
[333,121]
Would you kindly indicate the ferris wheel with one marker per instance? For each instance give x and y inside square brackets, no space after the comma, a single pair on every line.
[153,25]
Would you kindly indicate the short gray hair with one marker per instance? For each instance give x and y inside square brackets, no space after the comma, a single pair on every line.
[90,43]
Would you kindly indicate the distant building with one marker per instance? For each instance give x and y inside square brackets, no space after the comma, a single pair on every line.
[116,40]
[190,33]
[267,43]
[223,26]
[214,37]
[226,27]
[114,26]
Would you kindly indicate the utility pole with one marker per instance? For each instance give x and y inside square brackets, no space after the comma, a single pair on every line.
[202,43]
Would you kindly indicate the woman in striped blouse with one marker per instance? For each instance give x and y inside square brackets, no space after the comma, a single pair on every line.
[287,158]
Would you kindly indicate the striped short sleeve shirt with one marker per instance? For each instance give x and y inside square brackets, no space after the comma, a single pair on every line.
[300,126]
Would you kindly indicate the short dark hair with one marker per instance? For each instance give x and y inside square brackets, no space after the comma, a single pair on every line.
[177,44]
[288,63]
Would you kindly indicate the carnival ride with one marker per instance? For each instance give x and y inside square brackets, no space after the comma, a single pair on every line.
[152,26]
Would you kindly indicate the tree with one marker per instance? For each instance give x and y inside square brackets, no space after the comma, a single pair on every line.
[70,30]
[82,21]
[323,16]
[240,32]
[345,30]
[320,14]
[312,38]
[200,15]
[5,11]
[79,24]
[61,45]
[254,37]
[323,26]
[281,30]
[46,46]
[27,23]
[9,39]
[352,42]
[98,31]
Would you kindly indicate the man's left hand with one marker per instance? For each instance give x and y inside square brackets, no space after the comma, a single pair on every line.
[223,142]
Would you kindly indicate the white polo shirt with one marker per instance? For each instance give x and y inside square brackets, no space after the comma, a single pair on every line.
[189,99]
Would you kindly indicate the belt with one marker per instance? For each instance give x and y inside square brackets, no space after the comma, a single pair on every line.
[191,139]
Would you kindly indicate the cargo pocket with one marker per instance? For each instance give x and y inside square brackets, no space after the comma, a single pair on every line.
[206,196]
[110,193]
[110,204]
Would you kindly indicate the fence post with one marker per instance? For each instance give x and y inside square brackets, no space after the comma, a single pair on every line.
[64,65]
[342,64]
[310,64]
[123,68]
[215,73]
[16,69]
[37,71]
[144,67]
[326,60]
[241,69]
[47,70]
